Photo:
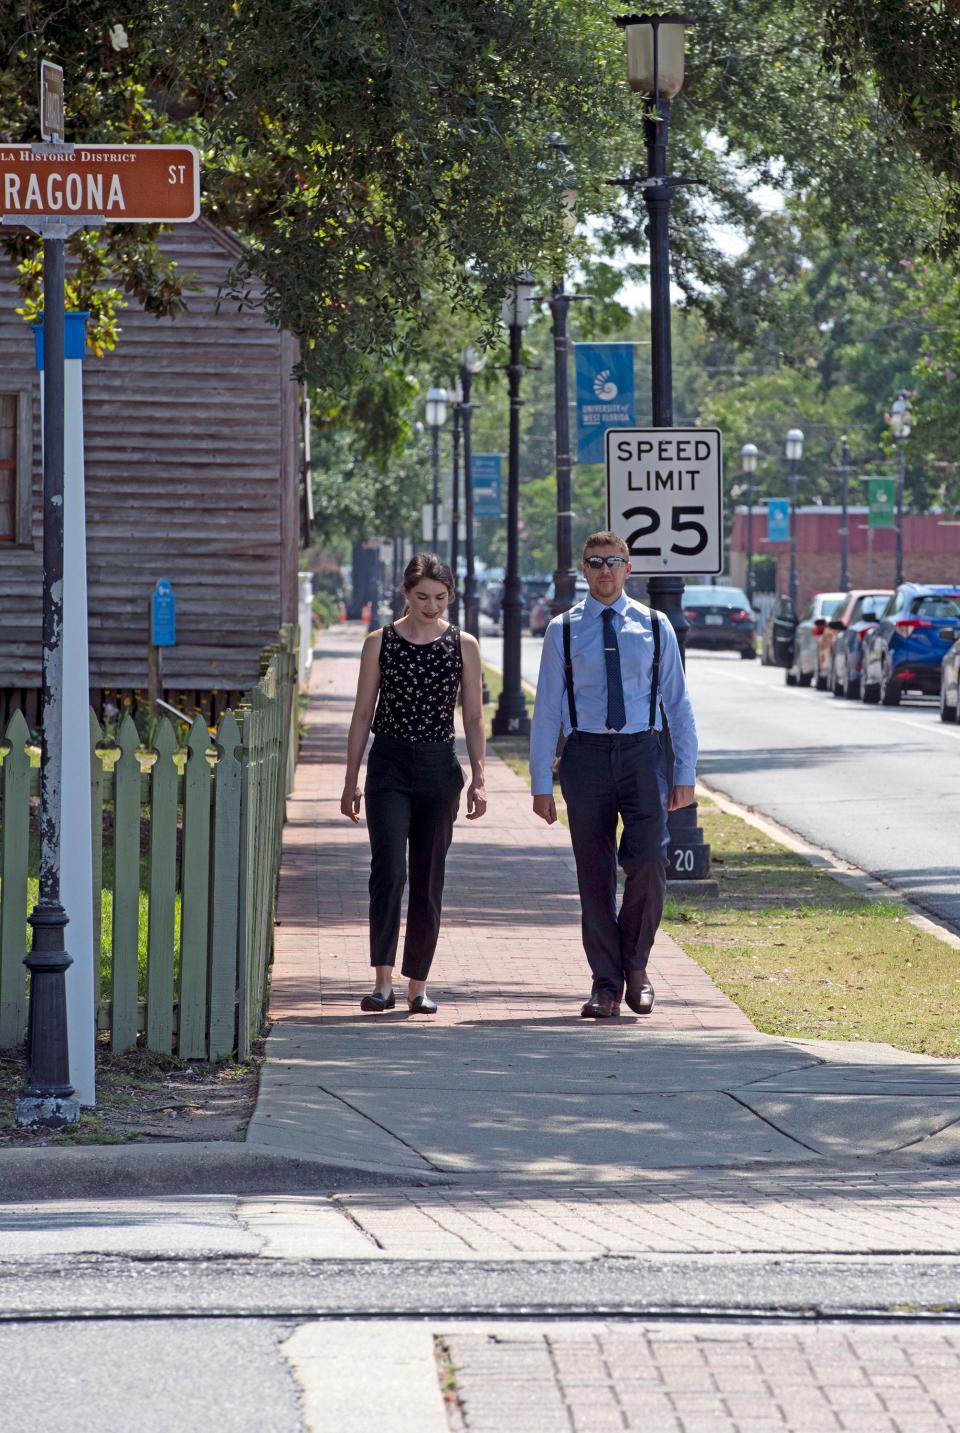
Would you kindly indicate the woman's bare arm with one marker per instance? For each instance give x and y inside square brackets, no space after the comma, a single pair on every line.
[364,707]
[473,728]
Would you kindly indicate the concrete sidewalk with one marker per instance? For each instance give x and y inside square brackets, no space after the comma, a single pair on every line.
[507,1082]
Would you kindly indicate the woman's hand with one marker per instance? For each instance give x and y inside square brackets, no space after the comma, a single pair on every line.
[350,802]
[476,800]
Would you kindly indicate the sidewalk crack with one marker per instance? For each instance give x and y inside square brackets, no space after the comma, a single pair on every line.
[393,1135]
[773,1124]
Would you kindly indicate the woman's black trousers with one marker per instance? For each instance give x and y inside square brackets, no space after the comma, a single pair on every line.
[412,794]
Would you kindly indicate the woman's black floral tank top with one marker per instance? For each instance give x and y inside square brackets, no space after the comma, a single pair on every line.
[418,686]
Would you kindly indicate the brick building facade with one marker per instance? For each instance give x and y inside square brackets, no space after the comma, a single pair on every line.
[931,549]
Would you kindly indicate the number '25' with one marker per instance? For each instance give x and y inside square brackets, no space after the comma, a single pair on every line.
[680,521]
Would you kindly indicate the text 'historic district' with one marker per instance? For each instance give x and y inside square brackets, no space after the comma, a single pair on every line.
[124,184]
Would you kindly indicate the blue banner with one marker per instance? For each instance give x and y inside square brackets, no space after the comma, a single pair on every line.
[485,471]
[605,395]
[163,615]
[778,520]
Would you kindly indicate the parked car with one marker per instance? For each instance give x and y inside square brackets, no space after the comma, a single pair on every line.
[950,676]
[542,610]
[905,651]
[847,656]
[721,619]
[810,627]
[531,589]
[859,610]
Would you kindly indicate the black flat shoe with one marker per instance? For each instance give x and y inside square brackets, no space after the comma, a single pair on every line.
[422,1005]
[378,1002]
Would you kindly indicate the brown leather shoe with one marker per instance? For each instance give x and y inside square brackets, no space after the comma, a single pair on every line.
[600,1006]
[639,993]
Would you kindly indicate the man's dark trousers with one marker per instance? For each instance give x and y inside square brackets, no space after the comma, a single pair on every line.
[602,776]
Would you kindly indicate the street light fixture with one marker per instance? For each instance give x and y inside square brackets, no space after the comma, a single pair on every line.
[749,454]
[510,718]
[436,417]
[900,419]
[794,449]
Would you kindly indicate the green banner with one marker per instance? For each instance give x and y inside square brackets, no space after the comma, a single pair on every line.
[882,497]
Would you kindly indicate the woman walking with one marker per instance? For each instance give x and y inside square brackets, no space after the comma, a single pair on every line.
[406,694]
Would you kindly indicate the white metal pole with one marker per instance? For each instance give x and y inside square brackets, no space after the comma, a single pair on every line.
[76,846]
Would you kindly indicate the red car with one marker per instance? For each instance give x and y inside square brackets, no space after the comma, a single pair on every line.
[852,608]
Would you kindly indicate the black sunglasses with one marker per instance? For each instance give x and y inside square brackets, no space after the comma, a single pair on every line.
[597,562]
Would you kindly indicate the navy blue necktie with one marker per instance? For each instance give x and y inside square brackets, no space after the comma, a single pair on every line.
[616,712]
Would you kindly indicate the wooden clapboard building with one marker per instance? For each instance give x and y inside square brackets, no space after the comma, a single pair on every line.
[192,469]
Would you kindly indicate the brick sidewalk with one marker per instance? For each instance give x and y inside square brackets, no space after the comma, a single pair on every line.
[669,1379]
[510,947]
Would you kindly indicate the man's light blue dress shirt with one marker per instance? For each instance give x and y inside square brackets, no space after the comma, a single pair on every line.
[635,641]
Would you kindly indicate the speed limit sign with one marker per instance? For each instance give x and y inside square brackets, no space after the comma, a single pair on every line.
[665,497]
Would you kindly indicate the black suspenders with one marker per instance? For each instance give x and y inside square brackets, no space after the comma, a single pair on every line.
[568,668]
[654,676]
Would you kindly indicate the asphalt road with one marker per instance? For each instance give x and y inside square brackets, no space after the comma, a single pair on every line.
[878,786]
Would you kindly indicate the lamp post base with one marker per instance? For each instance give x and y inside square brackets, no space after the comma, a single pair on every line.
[47,1111]
[511,717]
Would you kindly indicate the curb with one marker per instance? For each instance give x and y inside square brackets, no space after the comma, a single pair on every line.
[198,1167]
[854,877]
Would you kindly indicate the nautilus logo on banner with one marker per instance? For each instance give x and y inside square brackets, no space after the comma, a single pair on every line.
[605,397]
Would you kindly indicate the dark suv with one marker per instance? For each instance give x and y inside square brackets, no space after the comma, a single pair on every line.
[905,650]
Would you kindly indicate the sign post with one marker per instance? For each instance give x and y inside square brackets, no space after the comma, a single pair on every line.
[163,633]
[55,189]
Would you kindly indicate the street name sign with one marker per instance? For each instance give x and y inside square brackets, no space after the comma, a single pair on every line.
[665,497]
[51,101]
[122,183]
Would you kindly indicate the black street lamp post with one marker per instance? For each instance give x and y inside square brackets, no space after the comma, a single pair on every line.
[845,514]
[900,420]
[454,524]
[472,362]
[794,448]
[48,1095]
[565,575]
[510,718]
[655,69]
[748,458]
[436,417]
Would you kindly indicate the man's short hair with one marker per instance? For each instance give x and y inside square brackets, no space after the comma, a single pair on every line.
[605,539]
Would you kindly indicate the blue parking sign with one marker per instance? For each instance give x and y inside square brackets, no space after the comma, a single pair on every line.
[778,520]
[485,474]
[163,615]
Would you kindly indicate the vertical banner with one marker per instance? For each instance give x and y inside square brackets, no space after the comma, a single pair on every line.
[882,498]
[485,473]
[605,395]
[778,520]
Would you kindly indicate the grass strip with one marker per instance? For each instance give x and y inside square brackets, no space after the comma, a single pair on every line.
[802,955]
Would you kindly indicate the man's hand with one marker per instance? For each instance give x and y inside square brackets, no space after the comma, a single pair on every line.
[476,800]
[680,796]
[350,803]
[546,808]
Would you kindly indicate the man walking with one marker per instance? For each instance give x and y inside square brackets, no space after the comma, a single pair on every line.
[610,670]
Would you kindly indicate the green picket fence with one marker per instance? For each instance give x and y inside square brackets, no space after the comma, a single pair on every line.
[186,853]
